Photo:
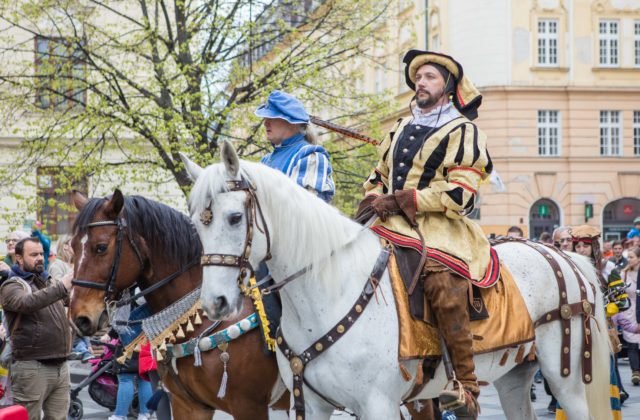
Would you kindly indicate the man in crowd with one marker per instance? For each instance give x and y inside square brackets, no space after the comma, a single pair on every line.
[422,190]
[618,259]
[40,333]
[562,238]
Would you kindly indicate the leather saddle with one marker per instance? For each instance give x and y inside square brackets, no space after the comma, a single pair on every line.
[408,260]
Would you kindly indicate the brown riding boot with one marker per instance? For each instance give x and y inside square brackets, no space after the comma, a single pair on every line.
[447,294]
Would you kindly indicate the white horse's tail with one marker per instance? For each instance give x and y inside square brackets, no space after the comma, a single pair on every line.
[598,392]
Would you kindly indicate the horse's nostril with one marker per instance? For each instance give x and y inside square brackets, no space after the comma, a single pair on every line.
[221,303]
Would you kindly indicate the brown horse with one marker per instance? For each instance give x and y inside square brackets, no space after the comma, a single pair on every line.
[123,241]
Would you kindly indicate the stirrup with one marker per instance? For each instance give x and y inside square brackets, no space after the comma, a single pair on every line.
[460,401]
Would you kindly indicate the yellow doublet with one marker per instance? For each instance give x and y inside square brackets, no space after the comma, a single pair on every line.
[445,170]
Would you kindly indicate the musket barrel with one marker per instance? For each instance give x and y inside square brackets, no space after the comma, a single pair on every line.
[343,130]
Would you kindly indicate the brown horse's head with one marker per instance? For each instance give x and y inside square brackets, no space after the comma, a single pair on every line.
[107,259]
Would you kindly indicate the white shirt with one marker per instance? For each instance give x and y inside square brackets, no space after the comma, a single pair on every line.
[437,117]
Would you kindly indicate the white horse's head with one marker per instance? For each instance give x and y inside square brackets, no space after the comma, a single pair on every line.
[222,209]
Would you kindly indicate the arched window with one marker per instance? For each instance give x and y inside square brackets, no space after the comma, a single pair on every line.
[617,218]
[544,216]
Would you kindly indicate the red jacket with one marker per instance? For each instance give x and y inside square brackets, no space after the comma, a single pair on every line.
[146,362]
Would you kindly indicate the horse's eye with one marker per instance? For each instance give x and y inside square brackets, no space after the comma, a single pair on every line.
[101,248]
[235,218]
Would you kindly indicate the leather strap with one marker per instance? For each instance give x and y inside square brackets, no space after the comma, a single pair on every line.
[566,311]
[298,361]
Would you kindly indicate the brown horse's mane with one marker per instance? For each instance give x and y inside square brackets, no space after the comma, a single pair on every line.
[153,221]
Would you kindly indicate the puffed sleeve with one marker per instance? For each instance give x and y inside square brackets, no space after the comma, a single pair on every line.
[312,170]
[378,181]
[466,164]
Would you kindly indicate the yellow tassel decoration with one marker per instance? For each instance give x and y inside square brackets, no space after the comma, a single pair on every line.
[190,326]
[180,333]
[256,297]
[198,320]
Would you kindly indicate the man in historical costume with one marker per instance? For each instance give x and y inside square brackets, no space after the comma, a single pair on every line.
[422,189]
[295,149]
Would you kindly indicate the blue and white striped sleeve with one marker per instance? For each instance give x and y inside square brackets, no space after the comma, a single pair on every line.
[312,170]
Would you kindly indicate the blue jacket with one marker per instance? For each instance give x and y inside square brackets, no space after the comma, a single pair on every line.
[305,163]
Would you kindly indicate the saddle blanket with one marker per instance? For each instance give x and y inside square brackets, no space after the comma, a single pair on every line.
[508,325]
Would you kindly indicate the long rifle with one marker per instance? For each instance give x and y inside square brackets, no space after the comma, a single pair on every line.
[343,130]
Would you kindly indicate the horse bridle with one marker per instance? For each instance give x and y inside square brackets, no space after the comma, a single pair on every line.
[252,210]
[110,286]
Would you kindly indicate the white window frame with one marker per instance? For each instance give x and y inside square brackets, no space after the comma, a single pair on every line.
[636,42]
[549,130]
[636,133]
[610,133]
[548,42]
[608,42]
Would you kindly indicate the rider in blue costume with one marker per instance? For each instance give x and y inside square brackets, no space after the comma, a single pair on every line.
[295,152]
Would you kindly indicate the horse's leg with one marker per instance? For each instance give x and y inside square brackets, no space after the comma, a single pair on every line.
[513,390]
[379,406]
[421,410]
[249,410]
[315,407]
[183,408]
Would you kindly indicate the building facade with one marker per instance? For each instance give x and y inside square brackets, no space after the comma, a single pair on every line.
[561,85]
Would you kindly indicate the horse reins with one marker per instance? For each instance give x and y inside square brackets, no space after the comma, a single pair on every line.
[109,287]
[252,210]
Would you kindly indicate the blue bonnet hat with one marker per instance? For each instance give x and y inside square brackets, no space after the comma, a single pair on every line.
[282,105]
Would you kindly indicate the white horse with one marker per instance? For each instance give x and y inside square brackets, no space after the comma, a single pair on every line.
[361,370]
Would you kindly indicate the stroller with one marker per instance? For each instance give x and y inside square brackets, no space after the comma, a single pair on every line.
[102,382]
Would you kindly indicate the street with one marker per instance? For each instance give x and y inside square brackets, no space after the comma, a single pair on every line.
[489,401]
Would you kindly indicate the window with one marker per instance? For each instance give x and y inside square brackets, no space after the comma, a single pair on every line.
[608,36]
[610,129]
[636,42]
[57,212]
[548,42]
[548,133]
[636,133]
[60,69]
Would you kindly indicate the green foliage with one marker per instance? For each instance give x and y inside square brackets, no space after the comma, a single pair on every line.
[118,88]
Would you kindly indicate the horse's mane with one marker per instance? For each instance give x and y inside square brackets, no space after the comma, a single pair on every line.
[167,232]
[305,228]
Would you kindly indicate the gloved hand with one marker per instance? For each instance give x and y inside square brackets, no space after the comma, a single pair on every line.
[365,211]
[406,200]
[385,206]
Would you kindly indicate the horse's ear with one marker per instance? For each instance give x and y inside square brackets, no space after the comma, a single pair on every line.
[114,205]
[230,159]
[79,200]
[193,169]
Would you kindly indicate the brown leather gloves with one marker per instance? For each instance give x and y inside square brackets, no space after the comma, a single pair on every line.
[385,206]
[406,200]
[365,211]
[401,202]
